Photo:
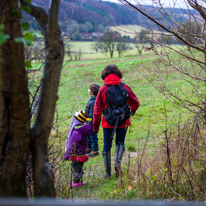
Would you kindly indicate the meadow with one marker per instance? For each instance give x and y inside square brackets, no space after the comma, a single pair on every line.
[127,30]
[88,53]
[144,138]
[148,124]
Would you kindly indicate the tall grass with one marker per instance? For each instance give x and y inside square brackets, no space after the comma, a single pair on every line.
[177,171]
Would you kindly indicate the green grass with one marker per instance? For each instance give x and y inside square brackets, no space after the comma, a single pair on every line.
[89,53]
[150,120]
[76,77]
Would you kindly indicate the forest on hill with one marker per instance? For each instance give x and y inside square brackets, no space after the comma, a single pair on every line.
[99,14]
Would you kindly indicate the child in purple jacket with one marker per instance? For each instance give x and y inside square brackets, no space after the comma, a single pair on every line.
[76,145]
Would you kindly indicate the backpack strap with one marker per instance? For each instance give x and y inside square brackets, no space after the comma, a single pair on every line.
[121,84]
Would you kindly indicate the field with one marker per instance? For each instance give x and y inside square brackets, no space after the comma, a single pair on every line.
[154,116]
[128,30]
[88,53]
[148,124]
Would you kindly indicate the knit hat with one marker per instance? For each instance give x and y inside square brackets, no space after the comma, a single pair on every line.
[82,116]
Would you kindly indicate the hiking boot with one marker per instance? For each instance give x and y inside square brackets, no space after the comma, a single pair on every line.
[93,153]
[107,163]
[88,150]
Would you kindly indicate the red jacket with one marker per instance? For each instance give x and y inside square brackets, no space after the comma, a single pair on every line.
[100,103]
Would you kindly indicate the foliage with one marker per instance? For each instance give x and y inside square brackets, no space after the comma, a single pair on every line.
[3,37]
[73,28]
[28,38]
[86,27]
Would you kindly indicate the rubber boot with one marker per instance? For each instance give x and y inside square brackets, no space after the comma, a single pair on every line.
[107,163]
[118,158]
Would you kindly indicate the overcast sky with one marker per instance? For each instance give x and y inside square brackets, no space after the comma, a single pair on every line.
[167,3]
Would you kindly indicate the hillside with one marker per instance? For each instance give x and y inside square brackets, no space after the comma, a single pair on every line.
[99,12]
[94,11]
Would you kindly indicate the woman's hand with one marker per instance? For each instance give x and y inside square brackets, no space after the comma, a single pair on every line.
[132,113]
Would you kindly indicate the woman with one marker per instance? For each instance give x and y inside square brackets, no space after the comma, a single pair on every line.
[112,76]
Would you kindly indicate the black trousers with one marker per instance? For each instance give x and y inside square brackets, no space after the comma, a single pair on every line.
[119,139]
[77,171]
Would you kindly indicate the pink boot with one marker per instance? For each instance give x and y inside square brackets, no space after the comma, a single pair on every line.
[77,184]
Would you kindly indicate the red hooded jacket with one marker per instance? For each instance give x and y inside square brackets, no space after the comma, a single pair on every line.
[100,103]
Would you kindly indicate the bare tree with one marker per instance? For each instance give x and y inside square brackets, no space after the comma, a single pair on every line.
[95,47]
[107,42]
[17,137]
[139,49]
[188,31]
[143,36]
[68,50]
[121,46]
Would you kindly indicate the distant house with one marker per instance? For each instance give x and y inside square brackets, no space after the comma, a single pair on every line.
[63,33]
[86,35]
[96,34]
[117,34]
[68,38]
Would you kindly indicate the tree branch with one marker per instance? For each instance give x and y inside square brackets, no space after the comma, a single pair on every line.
[53,15]
[197,7]
[179,52]
[39,14]
[161,25]
[54,55]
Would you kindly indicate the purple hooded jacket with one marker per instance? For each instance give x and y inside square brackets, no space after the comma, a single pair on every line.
[78,141]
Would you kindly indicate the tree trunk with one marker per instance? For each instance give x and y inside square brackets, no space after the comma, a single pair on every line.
[14,102]
[43,176]
[14,106]
[111,53]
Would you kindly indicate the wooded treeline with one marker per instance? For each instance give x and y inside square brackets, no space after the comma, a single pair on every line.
[99,12]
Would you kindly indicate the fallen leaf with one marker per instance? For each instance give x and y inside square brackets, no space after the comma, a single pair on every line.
[130,187]
[148,171]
